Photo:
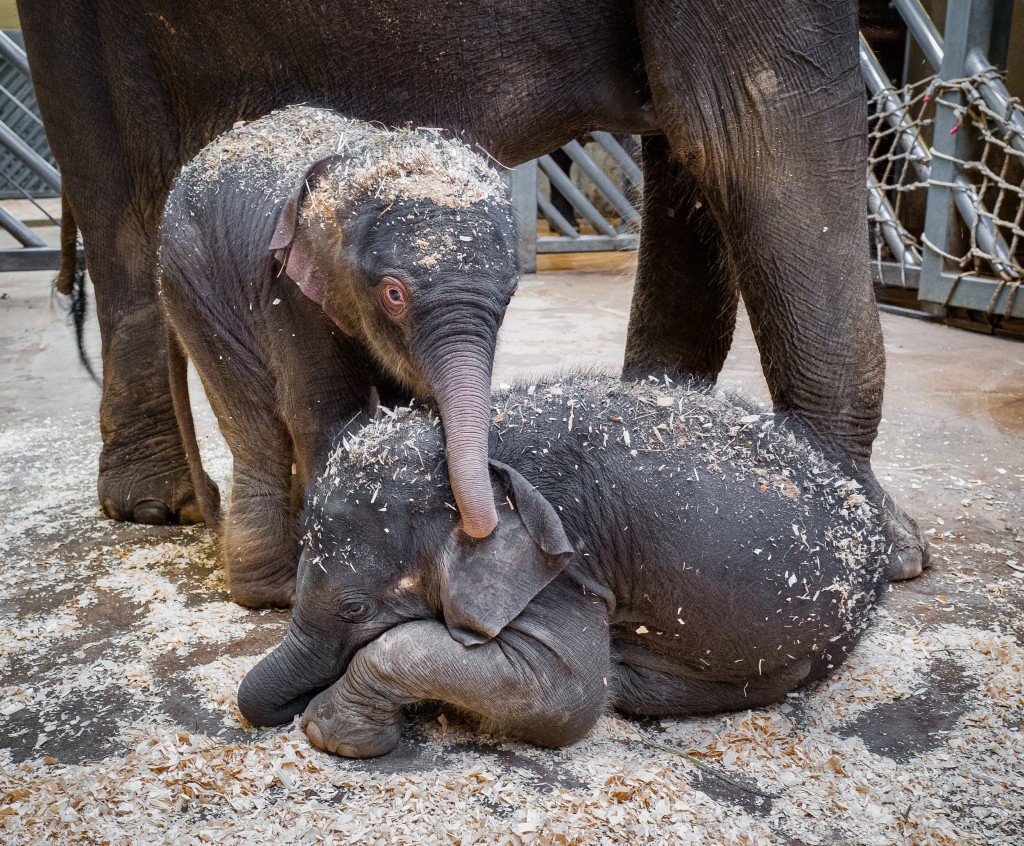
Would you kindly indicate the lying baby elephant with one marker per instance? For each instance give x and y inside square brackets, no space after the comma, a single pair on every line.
[306,258]
[698,556]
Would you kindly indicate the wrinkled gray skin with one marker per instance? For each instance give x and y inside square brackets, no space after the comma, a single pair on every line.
[754,157]
[293,307]
[698,557]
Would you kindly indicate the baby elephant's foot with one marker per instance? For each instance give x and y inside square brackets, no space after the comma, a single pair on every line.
[261,569]
[262,593]
[350,729]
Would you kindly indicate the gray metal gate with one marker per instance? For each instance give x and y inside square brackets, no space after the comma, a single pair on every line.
[945,176]
[27,169]
[615,229]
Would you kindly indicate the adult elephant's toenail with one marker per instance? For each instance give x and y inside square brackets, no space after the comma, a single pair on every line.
[153,513]
[111,510]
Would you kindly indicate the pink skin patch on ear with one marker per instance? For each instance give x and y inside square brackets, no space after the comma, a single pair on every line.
[394,296]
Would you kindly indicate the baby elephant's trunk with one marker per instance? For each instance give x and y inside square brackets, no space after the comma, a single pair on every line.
[458,369]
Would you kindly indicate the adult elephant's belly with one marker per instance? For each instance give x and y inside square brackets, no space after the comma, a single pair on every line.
[519,78]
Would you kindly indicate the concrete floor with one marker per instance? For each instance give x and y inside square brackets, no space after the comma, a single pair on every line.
[119,653]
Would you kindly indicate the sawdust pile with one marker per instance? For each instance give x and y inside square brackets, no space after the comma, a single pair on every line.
[118,723]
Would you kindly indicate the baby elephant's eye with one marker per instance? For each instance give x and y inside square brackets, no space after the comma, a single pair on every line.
[394,297]
[355,611]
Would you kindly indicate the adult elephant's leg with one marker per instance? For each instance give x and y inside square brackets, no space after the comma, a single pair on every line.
[684,305]
[143,476]
[766,108]
[116,167]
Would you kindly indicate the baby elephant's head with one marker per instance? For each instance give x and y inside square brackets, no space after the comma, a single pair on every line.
[407,241]
[383,546]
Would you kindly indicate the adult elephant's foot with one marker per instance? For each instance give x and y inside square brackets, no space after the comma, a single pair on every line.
[143,474]
[908,549]
[909,555]
[150,486]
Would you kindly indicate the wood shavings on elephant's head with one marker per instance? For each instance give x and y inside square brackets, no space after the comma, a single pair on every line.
[271,152]
[408,164]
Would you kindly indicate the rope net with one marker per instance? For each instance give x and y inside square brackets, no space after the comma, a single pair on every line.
[988,189]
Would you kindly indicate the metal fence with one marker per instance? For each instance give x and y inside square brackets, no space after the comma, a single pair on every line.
[27,169]
[946,171]
[19,112]
[616,184]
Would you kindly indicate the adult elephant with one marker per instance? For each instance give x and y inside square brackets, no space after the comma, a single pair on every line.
[754,156]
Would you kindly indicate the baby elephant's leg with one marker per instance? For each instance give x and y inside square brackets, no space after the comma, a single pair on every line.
[259,546]
[650,686]
[259,543]
[549,693]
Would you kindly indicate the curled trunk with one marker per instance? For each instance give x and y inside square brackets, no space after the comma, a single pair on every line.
[284,683]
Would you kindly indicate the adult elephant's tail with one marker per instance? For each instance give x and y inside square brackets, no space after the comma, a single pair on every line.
[70,280]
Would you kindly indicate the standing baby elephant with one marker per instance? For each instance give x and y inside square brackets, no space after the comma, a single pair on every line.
[306,258]
[697,556]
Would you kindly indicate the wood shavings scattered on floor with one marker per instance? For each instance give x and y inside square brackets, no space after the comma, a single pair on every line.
[120,656]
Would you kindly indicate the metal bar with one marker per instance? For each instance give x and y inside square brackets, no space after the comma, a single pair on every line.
[573,194]
[19,230]
[923,30]
[10,51]
[990,239]
[523,184]
[967,26]
[614,196]
[893,275]
[7,178]
[996,96]
[908,312]
[976,292]
[555,217]
[623,159]
[29,258]
[896,112]
[896,236]
[19,105]
[29,157]
[586,243]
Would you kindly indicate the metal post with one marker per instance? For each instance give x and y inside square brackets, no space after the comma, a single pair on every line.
[13,53]
[25,236]
[968,25]
[523,182]
[29,157]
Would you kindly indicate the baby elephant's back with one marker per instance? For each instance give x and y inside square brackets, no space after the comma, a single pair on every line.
[760,540]
[230,195]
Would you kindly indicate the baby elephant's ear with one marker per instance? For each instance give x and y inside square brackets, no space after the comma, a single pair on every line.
[487,582]
[292,252]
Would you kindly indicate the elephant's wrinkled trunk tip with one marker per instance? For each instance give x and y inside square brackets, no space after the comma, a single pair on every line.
[465,412]
[479,517]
